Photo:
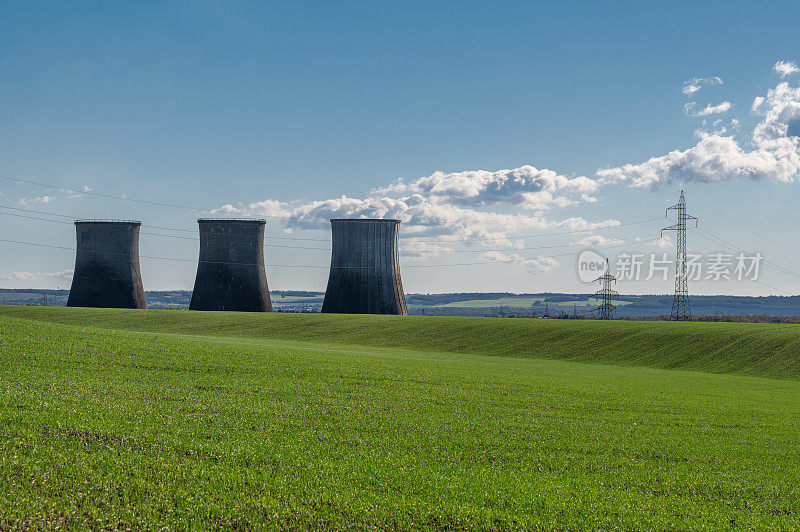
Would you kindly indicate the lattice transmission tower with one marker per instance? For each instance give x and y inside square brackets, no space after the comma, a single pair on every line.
[606,294]
[681,310]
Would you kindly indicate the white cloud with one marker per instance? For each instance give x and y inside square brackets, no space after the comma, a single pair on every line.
[709,109]
[781,115]
[714,158]
[535,264]
[691,86]
[73,194]
[526,186]
[266,208]
[597,240]
[774,151]
[424,216]
[662,243]
[785,68]
[37,276]
[417,250]
[227,209]
[451,206]
[32,201]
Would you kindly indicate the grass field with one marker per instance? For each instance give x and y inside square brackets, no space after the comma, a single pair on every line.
[151,419]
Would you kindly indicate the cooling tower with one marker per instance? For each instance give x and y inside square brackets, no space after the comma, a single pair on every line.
[230,273]
[107,271]
[365,270]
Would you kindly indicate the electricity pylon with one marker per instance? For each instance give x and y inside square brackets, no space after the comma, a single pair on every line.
[606,294]
[681,311]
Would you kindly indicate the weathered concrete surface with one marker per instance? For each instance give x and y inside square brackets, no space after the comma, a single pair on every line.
[230,272]
[365,269]
[107,273]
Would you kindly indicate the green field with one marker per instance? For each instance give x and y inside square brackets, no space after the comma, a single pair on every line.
[154,419]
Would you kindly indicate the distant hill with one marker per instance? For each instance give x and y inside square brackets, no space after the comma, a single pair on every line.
[475,303]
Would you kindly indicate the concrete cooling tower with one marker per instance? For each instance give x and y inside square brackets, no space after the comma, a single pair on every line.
[365,269]
[230,273]
[107,271]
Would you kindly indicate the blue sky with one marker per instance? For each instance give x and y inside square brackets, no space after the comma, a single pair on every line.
[256,109]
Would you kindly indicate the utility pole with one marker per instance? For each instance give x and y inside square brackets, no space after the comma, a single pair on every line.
[681,311]
[606,294]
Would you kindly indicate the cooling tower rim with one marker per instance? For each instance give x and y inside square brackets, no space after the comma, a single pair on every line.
[106,221]
[261,221]
[365,220]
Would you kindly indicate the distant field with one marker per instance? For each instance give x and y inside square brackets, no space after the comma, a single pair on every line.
[517,302]
[523,302]
[473,303]
[152,419]
[294,300]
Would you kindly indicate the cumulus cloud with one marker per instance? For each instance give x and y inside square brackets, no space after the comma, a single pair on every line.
[458,207]
[785,68]
[691,86]
[772,153]
[418,250]
[33,201]
[714,158]
[535,264]
[526,186]
[426,216]
[227,209]
[267,208]
[597,240]
[781,111]
[709,109]
[37,276]
[662,243]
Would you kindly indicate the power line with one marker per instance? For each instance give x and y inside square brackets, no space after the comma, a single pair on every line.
[98,194]
[746,228]
[512,260]
[178,259]
[523,259]
[732,247]
[422,239]
[489,217]
[435,251]
[525,276]
[713,239]
[571,232]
